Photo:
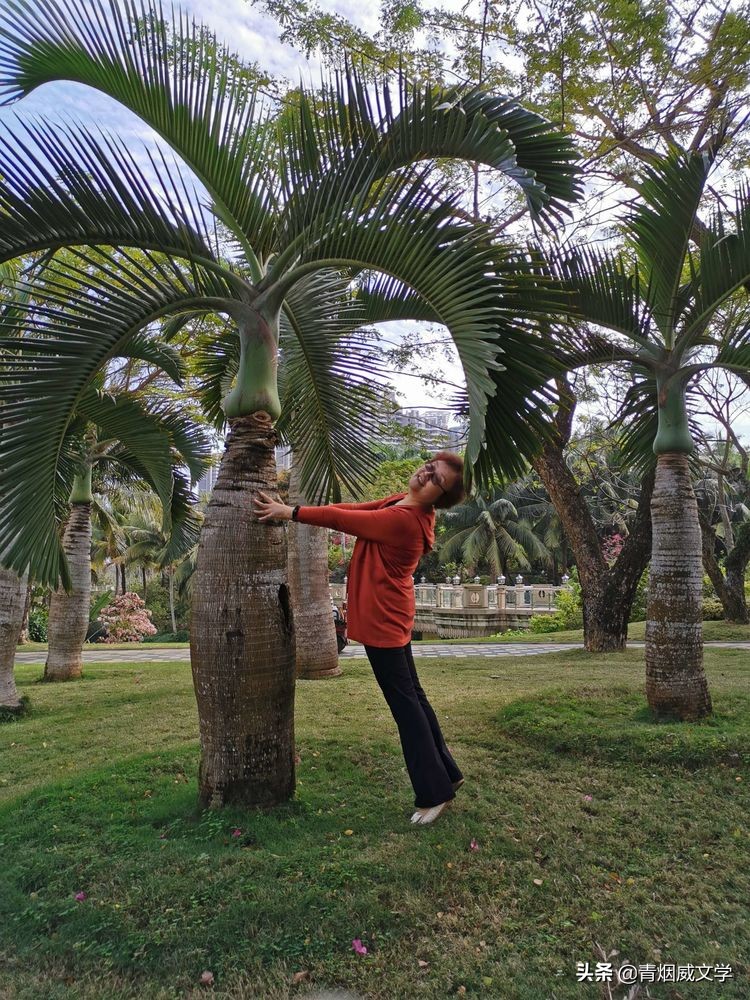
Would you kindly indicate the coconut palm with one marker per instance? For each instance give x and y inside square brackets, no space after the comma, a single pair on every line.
[492,531]
[340,182]
[660,305]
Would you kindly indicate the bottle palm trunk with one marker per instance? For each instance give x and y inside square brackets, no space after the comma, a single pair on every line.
[241,635]
[675,679]
[315,633]
[69,612]
[12,603]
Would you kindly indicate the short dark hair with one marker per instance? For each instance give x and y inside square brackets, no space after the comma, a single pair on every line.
[457,492]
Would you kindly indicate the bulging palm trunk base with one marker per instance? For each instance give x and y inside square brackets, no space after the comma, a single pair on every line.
[69,612]
[676,683]
[241,635]
[316,651]
[12,601]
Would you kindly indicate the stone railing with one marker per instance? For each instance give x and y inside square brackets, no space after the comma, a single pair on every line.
[456,610]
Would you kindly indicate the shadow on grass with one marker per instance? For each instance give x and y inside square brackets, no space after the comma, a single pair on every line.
[616,725]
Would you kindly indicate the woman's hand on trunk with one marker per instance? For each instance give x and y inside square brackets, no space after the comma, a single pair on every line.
[268,509]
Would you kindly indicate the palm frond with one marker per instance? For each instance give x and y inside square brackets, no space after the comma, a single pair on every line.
[352,136]
[62,186]
[724,269]
[660,228]
[602,289]
[411,236]
[171,73]
[331,399]
[146,347]
[72,331]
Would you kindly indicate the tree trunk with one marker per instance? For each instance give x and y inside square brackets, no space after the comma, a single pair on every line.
[171,600]
[675,680]
[12,601]
[729,590]
[241,635]
[143,581]
[69,613]
[24,636]
[607,593]
[314,629]
[736,563]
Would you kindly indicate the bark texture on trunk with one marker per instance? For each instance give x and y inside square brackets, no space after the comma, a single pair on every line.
[242,635]
[675,680]
[607,592]
[24,636]
[314,630]
[12,604]
[730,589]
[69,613]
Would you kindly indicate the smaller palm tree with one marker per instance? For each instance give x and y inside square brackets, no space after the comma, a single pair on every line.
[491,531]
[660,303]
[127,441]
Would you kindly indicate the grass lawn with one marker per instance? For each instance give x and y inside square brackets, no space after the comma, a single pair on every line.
[595,827]
[712,632]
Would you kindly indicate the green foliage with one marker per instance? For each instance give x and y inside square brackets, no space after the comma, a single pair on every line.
[712,609]
[38,618]
[182,635]
[638,608]
[157,601]
[393,476]
[569,613]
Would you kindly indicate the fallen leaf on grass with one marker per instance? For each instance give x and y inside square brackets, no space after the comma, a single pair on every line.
[422,964]
[473,846]
[300,977]
[207,978]
[538,881]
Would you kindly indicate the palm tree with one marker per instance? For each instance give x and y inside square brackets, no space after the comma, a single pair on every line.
[12,601]
[661,305]
[129,441]
[492,531]
[336,183]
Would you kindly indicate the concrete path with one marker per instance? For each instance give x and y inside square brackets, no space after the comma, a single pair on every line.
[103,654]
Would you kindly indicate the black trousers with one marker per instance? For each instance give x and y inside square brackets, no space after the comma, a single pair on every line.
[431,767]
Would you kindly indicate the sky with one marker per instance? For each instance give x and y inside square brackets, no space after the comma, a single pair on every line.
[256,37]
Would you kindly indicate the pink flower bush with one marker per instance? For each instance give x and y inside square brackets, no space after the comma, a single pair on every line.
[128,619]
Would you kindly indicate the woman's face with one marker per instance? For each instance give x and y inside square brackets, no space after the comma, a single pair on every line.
[432,480]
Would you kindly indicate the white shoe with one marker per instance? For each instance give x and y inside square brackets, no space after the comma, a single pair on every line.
[424,816]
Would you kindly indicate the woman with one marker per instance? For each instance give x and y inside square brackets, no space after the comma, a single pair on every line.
[392,536]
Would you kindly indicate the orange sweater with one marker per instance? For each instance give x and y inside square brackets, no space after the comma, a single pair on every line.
[390,542]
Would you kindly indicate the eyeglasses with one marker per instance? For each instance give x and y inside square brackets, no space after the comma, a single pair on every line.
[429,468]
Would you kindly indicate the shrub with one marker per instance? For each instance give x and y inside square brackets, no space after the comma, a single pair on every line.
[157,601]
[38,624]
[182,635]
[712,609]
[127,618]
[539,624]
[638,608]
